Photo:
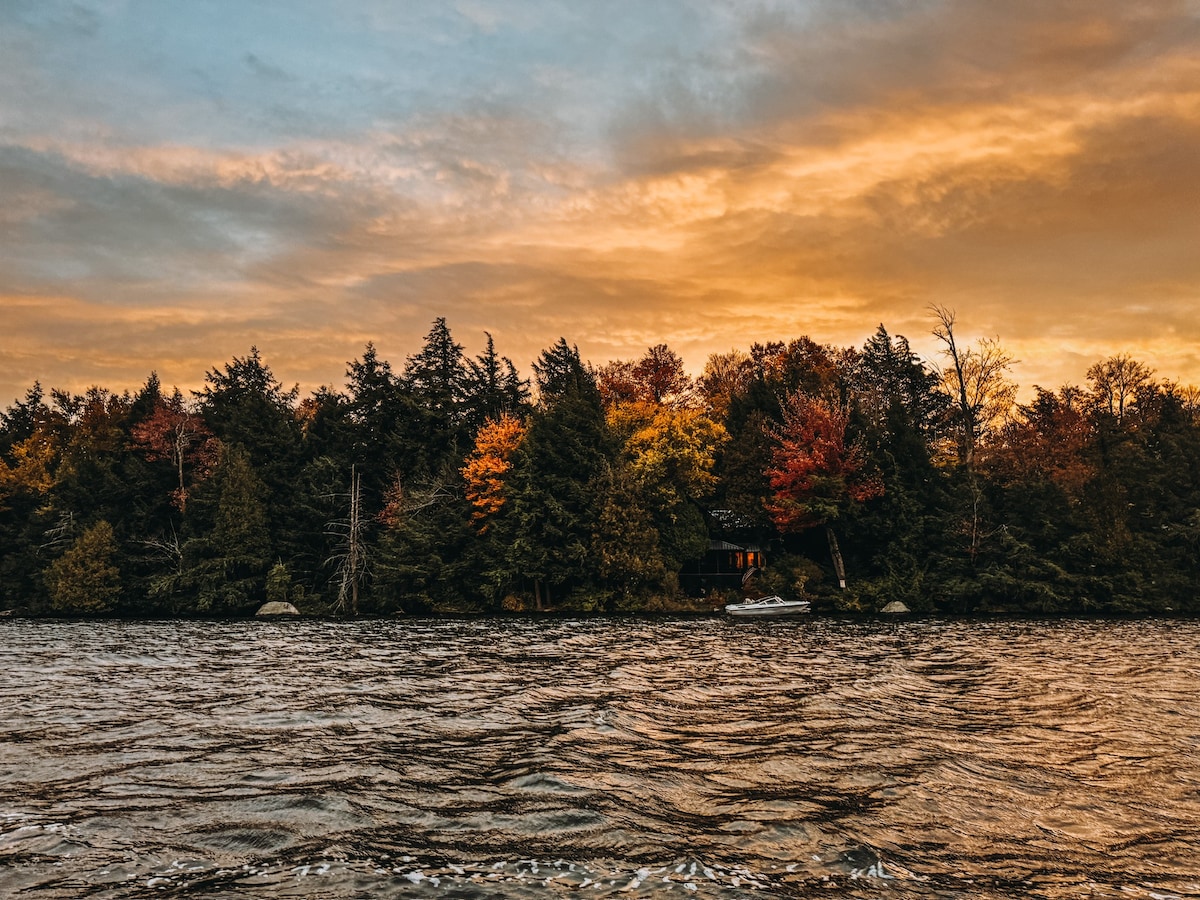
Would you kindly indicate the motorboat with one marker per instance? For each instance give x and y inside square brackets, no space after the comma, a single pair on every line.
[773,605]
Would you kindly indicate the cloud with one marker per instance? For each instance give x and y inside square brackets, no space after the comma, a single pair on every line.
[707,176]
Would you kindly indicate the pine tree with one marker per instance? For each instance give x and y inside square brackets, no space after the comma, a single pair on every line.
[560,372]
[553,505]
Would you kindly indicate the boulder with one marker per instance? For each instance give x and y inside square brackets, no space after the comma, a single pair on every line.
[896,608]
[277,608]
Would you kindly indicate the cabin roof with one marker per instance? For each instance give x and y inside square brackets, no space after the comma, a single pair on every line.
[725,545]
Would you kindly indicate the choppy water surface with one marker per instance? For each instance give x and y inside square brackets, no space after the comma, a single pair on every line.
[599,758]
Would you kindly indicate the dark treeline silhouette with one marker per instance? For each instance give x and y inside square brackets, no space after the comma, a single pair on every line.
[865,475]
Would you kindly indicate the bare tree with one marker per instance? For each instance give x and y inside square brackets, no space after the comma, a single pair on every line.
[1189,396]
[351,556]
[1116,382]
[977,382]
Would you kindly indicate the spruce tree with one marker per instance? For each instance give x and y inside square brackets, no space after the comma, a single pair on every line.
[554,506]
[227,564]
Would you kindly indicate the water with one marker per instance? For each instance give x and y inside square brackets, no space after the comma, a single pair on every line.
[599,758]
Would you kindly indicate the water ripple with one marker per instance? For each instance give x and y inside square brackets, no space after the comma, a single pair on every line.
[623,758]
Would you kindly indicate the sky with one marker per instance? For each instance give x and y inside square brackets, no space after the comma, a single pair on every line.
[180,182]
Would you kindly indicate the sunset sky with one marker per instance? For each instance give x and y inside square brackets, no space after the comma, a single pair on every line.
[180,181]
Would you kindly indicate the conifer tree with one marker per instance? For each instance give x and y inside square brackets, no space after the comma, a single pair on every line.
[227,565]
[493,388]
[553,506]
[437,374]
[84,579]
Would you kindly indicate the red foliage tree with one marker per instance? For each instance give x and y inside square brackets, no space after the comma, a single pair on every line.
[814,474]
[173,433]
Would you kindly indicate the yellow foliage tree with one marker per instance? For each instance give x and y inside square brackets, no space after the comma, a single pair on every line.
[32,466]
[673,453]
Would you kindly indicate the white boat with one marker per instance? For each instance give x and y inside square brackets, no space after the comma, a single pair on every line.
[768,606]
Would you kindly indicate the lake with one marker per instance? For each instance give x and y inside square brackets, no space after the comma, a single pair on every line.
[599,757]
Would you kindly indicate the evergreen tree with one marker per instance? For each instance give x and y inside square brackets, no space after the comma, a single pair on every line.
[887,377]
[84,579]
[492,388]
[437,375]
[388,430]
[244,405]
[19,422]
[552,509]
[226,565]
[428,557]
[559,372]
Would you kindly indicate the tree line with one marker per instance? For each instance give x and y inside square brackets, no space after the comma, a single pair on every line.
[454,484]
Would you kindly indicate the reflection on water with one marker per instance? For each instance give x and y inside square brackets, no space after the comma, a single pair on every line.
[601,757]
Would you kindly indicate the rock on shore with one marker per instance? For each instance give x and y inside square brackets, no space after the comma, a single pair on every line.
[277,608]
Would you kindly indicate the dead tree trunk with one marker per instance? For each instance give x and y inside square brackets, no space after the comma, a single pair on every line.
[835,553]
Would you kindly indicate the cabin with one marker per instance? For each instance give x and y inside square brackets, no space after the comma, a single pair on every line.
[722,568]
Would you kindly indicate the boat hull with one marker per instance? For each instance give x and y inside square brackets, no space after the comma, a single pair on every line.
[768,606]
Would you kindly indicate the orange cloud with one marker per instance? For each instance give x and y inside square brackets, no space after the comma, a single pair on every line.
[1031,165]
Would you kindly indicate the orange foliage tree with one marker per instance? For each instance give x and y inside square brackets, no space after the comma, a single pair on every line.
[488,465]
[1048,440]
[658,378]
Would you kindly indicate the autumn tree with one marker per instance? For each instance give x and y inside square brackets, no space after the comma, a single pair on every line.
[625,541]
[663,377]
[31,464]
[1116,382]
[488,466]
[1047,440]
[171,432]
[30,448]
[671,453]
[802,364]
[617,383]
[815,474]
[725,376]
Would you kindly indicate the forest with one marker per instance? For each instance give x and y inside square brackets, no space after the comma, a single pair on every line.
[454,485]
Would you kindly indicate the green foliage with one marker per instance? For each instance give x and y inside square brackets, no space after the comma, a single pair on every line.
[84,580]
[625,543]
[429,557]
[225,566]
[547,522]
[1085,500]
[279,584]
